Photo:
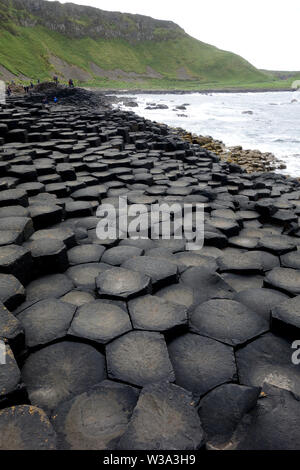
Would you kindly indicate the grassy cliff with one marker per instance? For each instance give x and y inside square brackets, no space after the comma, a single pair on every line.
[113,50]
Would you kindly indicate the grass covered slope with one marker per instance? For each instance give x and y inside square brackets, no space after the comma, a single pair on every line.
[39,39]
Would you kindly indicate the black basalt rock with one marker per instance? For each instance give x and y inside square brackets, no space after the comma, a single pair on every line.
[60,371]
[164,418]
[139,358]
[201,363]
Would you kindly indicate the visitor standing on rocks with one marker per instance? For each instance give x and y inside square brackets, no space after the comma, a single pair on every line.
[8,90]
[55,79]
[71,83]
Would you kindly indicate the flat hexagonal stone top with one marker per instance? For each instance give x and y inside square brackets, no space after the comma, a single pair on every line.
[46,321]
[58,372]
[12,197]
[164,418]
[44,247]
[206,284]
[240,282]
[84,275]
[291,260]
[239,262]
[160,271]
[119,254]
[154,313]
[201,363]
[10,327]
[54,285]
[260,300]
[100,321]
[85,254]
[78,297]
[277,244]
[249,243]
[288,312]
[142,243]
[188,258]
[172,244]
[64,234]
[13,255]
[96,419]
[267,260]
[177,294]
[12,293]
[90,193]
[9,371]
[26,427]
[122,283]
[221,411]
[274,424]
[139,358]
[228,321]
[284,279]
[268,359]
[228,226]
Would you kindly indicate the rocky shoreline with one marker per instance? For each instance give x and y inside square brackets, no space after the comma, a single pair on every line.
[250,160]
[141,344]
[141,91]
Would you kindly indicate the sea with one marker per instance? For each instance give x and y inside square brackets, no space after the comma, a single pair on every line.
[267,121]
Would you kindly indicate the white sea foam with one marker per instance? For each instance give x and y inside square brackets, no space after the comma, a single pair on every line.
[273,127]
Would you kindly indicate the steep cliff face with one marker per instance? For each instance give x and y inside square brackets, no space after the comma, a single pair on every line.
[110,49]
[80,21]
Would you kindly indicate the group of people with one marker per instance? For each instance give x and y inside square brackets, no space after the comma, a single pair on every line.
[70,82]
[27,88]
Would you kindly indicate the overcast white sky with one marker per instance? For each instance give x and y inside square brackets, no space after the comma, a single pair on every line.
[265,32]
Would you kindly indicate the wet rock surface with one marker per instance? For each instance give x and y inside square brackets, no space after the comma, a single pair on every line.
[166,321]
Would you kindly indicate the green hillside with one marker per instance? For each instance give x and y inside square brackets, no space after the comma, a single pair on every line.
[39,39]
